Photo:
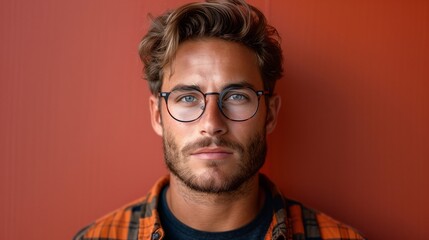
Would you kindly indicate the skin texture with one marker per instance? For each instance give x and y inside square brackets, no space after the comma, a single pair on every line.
[214,161]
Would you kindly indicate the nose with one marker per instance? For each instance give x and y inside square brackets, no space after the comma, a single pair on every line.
[212,122]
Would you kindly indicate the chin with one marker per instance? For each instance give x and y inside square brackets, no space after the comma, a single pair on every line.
[214,181]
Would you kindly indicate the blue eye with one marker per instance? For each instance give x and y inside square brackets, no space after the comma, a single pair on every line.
[188,99]
[237,97]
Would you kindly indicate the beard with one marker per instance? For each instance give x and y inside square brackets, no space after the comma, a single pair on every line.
[251,158]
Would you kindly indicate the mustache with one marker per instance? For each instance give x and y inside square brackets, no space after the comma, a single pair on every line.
[207,142]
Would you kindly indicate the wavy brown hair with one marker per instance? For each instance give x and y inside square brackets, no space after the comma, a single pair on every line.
[230,20]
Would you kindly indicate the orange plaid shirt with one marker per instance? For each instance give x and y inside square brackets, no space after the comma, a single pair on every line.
[291,220]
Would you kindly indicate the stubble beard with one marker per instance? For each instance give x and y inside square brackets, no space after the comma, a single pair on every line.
[252,158]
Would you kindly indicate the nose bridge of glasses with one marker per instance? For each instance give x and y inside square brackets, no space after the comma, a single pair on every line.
[218,102]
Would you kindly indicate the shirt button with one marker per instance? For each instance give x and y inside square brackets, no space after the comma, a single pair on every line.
[155,236]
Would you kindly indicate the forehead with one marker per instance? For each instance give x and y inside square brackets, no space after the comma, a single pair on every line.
[212,64]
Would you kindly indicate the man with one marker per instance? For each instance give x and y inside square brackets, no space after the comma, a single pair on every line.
[212,69]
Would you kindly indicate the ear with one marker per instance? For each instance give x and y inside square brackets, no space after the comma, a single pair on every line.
[272,112]
[155,115]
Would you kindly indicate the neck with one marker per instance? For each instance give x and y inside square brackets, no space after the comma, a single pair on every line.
[215,212]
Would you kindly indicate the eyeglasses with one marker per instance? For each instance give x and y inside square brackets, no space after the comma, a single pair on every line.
[187,104]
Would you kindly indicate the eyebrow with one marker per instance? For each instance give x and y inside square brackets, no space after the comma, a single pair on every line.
[241,84]
[186,87]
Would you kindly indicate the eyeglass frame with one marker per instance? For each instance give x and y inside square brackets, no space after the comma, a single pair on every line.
[222,93]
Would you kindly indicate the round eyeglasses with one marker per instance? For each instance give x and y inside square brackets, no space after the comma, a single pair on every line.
[187,104]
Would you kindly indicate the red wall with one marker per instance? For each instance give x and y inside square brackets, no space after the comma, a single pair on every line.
[76,141]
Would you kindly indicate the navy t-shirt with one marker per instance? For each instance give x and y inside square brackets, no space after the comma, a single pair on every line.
[176,230]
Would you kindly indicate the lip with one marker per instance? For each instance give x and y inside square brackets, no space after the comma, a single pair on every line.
[212,153]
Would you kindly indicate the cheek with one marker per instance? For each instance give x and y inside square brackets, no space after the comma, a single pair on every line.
[245,131]
[259,120]
[177,131]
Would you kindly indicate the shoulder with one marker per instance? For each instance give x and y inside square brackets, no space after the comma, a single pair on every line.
[314,224]
[128,222]
[295,220]
[115,225]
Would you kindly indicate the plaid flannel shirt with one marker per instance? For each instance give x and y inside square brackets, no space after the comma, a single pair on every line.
[291,220]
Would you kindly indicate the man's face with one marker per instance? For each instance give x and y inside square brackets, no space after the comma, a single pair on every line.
[213,154]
